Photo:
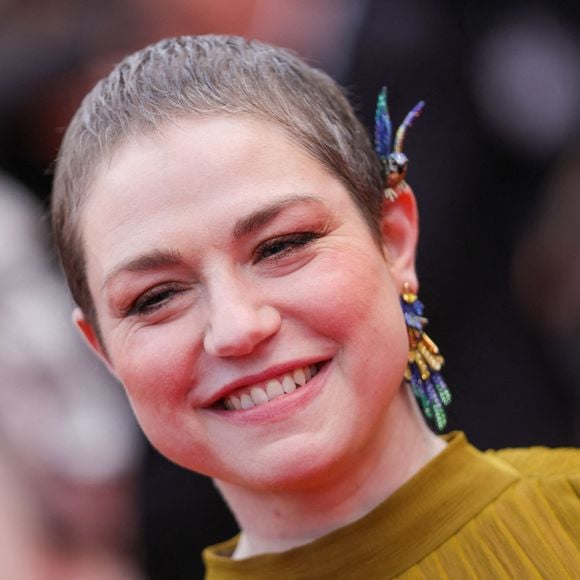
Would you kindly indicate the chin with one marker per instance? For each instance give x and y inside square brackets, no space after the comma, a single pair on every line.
[293,466]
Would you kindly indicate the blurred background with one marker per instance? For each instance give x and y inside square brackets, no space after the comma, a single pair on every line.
[495,164]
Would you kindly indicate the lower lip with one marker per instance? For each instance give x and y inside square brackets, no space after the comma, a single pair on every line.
[281,407]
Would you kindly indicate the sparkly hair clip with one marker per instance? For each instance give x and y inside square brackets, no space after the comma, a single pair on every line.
[394,162]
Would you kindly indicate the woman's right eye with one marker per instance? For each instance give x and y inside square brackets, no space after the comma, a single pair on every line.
[153,300]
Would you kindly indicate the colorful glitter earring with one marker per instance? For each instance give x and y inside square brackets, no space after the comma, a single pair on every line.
[424,362]
[394,162]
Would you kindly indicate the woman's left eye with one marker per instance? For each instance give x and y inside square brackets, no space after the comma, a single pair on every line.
[283,245]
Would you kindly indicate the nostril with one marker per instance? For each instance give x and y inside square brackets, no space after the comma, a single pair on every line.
[240,332]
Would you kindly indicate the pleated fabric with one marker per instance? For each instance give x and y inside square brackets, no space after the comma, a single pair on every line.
[513,513]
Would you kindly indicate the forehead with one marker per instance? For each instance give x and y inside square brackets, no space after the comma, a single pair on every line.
[193,154]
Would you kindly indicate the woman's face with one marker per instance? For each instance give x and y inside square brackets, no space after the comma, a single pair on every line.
[227,266]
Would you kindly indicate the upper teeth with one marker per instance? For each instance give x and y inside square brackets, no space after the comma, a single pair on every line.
[261,393]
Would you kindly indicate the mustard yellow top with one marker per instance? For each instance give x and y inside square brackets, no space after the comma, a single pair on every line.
[513,513]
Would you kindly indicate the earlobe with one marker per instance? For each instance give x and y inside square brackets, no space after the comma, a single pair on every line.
[91,338]
[400,233]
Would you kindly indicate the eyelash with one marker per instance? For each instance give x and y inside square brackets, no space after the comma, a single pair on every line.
[282,246]
[152,300]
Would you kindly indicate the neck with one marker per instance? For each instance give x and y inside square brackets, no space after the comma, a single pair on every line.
[278,521]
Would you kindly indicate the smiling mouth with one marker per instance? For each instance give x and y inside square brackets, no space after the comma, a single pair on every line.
[266,391]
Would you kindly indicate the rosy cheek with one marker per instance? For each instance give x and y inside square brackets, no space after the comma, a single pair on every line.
[153,365]
[331,296]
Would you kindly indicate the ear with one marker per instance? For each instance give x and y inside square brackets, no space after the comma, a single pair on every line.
[400,233]
[91,338]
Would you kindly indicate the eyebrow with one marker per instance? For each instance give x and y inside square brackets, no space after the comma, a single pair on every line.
[145,263]
[243,227]
[253,222]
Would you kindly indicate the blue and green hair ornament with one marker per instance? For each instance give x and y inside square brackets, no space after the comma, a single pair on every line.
[393,161]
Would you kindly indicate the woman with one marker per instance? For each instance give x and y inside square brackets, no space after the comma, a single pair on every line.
[220,216]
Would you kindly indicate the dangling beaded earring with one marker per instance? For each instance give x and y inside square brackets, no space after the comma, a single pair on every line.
[424,362]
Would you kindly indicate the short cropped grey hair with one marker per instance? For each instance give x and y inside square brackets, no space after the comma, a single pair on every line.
[201,76]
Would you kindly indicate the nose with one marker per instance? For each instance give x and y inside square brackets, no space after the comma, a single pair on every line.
[238,322]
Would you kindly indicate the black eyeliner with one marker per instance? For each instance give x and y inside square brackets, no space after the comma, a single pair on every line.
[281,246]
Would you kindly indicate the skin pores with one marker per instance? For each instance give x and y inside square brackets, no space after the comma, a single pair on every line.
[222,258]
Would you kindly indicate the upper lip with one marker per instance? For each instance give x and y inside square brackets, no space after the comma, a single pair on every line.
[270,373]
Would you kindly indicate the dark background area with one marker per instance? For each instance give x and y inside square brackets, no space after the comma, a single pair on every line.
[495,165]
